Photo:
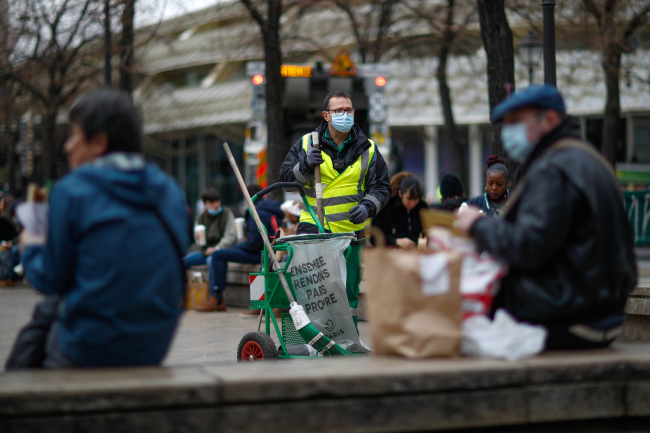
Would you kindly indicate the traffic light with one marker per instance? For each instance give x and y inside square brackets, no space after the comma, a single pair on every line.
[258,105]
[377,102]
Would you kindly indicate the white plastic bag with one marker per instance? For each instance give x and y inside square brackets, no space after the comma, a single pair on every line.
[503,338]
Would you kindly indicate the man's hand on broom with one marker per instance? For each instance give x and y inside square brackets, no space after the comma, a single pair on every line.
[314,158]
[359,214]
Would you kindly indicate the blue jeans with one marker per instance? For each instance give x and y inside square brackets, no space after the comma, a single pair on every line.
[220,259]
[15,261]
[196,259]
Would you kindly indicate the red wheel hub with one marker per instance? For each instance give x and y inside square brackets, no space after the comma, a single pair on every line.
[252,351]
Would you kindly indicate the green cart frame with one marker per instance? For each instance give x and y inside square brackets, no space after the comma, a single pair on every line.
[258,346]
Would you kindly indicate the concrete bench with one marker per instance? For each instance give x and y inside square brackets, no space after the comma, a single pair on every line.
[369,394]
[237,292]
[637,324]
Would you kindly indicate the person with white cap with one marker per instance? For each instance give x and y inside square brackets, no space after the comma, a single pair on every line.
[565,235]
[292,210]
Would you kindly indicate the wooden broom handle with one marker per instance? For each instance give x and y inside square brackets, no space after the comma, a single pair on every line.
[319,186]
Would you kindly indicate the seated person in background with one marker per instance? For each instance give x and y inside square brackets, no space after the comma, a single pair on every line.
[9,254]
[111,265]
[495,199]
[220,231]
[399,220]
[566,237]
[451,190]
[291,211]
[243,252]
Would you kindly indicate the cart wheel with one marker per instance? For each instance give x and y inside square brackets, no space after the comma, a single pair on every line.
[256,346]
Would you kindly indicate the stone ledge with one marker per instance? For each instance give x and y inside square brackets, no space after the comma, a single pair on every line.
[332,395]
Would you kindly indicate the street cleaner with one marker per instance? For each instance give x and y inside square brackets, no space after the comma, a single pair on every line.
[354,177]
[565,234]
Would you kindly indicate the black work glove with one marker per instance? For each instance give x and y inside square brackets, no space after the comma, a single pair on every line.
[359,214]
[314,158]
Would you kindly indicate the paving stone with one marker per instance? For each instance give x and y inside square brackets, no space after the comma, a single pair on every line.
[105,389]
[383,414]
[576,401]
[192,420]
[636,305]
[304,379]
[581,366]
[638,398]
[636,329]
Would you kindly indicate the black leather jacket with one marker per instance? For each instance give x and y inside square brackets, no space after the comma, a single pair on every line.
[567,240]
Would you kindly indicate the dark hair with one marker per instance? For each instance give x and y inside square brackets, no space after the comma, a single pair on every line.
[410,184]
[396,180]
[336,94]
[253,189]
[495,163]
[113,113]
[210,194]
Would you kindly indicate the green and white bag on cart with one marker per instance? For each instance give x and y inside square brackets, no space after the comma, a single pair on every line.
[318,275]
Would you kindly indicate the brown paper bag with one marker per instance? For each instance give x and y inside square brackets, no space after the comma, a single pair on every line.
[412,313]
[197,289]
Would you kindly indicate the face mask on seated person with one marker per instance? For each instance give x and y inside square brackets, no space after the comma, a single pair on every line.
[515,141]
[214,212]
[342,123]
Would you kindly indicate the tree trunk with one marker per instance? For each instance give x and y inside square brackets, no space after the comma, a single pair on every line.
[612,121]
[277,143]
[451,132]
[49,143]
[498,44]
[126,47]
[9,137]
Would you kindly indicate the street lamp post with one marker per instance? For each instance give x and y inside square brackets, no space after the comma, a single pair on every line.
[529,50]
[548,7]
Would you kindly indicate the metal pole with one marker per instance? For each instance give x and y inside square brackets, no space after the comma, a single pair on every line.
[548,7]
[107,43]
[530,75]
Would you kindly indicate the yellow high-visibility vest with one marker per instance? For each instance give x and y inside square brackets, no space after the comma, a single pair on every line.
[341,192]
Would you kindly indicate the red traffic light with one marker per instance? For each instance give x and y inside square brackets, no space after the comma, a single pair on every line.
[258,79]
[380,81]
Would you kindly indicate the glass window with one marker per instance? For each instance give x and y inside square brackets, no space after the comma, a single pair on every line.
[641,140]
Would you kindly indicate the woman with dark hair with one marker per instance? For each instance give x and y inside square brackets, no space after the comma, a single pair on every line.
[399,220]
[493,202]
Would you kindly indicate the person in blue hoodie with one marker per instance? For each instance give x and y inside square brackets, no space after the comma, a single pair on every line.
[249,251]
[111,266]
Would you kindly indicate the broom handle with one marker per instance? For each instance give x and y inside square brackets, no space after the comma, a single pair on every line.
[256,217]
[319,186]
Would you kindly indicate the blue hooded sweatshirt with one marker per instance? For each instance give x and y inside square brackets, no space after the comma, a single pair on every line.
[266,209]
[113,260]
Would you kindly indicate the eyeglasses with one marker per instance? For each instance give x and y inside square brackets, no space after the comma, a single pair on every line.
[340,112]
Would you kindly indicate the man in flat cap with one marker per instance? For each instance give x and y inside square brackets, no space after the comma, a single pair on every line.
[565,234]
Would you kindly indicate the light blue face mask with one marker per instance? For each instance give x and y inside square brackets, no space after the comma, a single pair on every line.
[214,212]
[343,122]
[515,141]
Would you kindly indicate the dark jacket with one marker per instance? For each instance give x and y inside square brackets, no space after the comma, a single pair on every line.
[266,209]
[484,202]
[451,204]
[567,240]
[113,260]
[219,229]
[396,222]
[295,169]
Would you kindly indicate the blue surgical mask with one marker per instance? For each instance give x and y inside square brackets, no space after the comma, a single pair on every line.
[214,212]
[342,123]
[515,141]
